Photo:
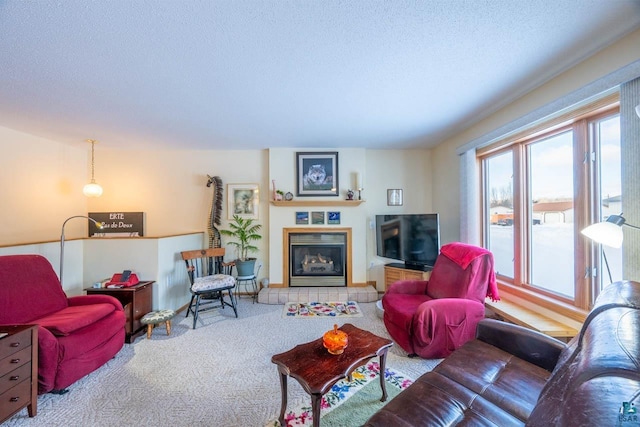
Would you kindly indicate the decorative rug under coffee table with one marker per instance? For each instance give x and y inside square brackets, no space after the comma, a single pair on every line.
[322,309]
[349,402]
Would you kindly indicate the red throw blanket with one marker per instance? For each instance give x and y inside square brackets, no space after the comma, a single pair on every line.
[463,254]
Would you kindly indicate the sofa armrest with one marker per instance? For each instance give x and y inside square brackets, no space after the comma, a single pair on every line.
[527,344]
[413,287]
[94,299]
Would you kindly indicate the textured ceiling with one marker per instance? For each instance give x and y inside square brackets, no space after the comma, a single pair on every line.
[247,74]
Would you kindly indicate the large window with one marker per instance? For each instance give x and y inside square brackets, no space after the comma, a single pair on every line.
[539,190]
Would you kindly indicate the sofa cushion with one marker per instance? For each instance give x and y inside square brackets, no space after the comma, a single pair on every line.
[71,319]
[477,385]
[499,377]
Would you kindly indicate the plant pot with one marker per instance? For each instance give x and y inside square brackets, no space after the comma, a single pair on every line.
[245,268]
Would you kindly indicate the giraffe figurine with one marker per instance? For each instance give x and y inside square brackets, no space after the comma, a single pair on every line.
[215,212]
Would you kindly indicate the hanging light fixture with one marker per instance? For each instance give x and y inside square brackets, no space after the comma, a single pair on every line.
[92,189]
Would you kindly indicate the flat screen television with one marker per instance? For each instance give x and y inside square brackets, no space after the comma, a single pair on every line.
[411,238]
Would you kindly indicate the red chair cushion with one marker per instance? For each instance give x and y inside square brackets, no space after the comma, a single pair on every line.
[70,319]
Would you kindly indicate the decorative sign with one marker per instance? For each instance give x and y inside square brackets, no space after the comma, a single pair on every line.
[117,224]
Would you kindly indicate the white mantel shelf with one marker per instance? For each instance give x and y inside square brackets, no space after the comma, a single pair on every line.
[317,202]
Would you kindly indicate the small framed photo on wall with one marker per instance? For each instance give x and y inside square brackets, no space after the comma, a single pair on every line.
[333,218]
[317,217]
[302,218]
[242,200]
[394,197]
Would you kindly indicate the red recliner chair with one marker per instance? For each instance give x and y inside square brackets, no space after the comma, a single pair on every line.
[76,335]
[433,318]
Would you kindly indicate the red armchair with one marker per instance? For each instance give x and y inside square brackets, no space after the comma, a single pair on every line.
[76,335]
[432,318]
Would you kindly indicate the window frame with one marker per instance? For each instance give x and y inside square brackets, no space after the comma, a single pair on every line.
[586,200]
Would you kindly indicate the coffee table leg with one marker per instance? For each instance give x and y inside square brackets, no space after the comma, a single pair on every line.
[315,409]
[283,390]
[383,385]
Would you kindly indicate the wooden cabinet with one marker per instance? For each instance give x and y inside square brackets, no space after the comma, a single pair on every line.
[18,370]
[398,271]
[136,300]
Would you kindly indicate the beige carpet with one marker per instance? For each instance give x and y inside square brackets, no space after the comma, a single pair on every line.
[219,374]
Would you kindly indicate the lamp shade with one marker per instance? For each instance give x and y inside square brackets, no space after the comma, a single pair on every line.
[92,190]
[606,233]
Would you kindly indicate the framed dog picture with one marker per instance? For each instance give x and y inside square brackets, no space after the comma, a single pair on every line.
[242,200]
[317,173]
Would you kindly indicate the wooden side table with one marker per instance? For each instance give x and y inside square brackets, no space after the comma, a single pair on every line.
[18,370]
[397,271]
[317,370]
[136,300]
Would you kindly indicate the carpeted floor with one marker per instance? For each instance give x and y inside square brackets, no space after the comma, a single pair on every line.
[219,374]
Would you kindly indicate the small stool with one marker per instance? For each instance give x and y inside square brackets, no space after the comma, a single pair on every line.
[156,317]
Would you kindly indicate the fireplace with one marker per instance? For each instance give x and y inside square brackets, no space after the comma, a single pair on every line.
[316,257]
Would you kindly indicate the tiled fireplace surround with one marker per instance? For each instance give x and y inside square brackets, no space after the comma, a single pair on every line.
[317,293]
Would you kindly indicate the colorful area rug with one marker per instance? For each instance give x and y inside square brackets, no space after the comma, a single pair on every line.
[350,403]
[322,309]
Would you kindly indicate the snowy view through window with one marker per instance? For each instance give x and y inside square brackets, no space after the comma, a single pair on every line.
[552,230]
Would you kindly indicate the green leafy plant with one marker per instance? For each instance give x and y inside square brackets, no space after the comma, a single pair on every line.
[244,231]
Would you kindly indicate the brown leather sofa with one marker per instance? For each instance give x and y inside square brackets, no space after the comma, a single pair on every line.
[509,375]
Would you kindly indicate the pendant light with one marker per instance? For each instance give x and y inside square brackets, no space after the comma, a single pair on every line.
[92,189]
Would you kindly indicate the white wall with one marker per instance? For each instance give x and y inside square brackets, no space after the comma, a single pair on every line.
[409,170]
[40,186]
[150,258]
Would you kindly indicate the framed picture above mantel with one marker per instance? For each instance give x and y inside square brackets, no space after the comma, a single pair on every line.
[317,173]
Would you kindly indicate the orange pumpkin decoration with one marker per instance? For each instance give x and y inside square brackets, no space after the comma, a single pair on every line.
[335,341]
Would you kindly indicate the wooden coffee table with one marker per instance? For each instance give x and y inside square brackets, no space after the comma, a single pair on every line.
[317,370]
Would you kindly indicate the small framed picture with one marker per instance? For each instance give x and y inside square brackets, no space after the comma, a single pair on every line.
[317,217]
[242,200]
[333,217]
[302,217]
[317,173]
[394,197]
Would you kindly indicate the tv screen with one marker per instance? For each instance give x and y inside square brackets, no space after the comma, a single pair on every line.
[412,238]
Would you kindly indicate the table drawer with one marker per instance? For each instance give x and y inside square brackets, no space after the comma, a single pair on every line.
[15,342]
[11,379]
[14,399]
[15,360]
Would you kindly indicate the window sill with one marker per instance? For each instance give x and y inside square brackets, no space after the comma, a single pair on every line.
[562,312]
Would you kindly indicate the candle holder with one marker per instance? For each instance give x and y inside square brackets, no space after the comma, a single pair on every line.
[335,341]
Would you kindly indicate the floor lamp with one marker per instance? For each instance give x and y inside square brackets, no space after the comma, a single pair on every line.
[98,224]
[608,233]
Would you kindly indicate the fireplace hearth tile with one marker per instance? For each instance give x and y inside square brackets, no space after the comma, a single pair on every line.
[320,294]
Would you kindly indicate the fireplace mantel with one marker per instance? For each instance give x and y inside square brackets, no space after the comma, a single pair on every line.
[286,256]
[316,202]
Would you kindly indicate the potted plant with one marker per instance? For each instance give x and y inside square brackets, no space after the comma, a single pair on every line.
[244,231]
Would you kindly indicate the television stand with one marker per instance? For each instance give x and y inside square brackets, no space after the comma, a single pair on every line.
[399,271]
